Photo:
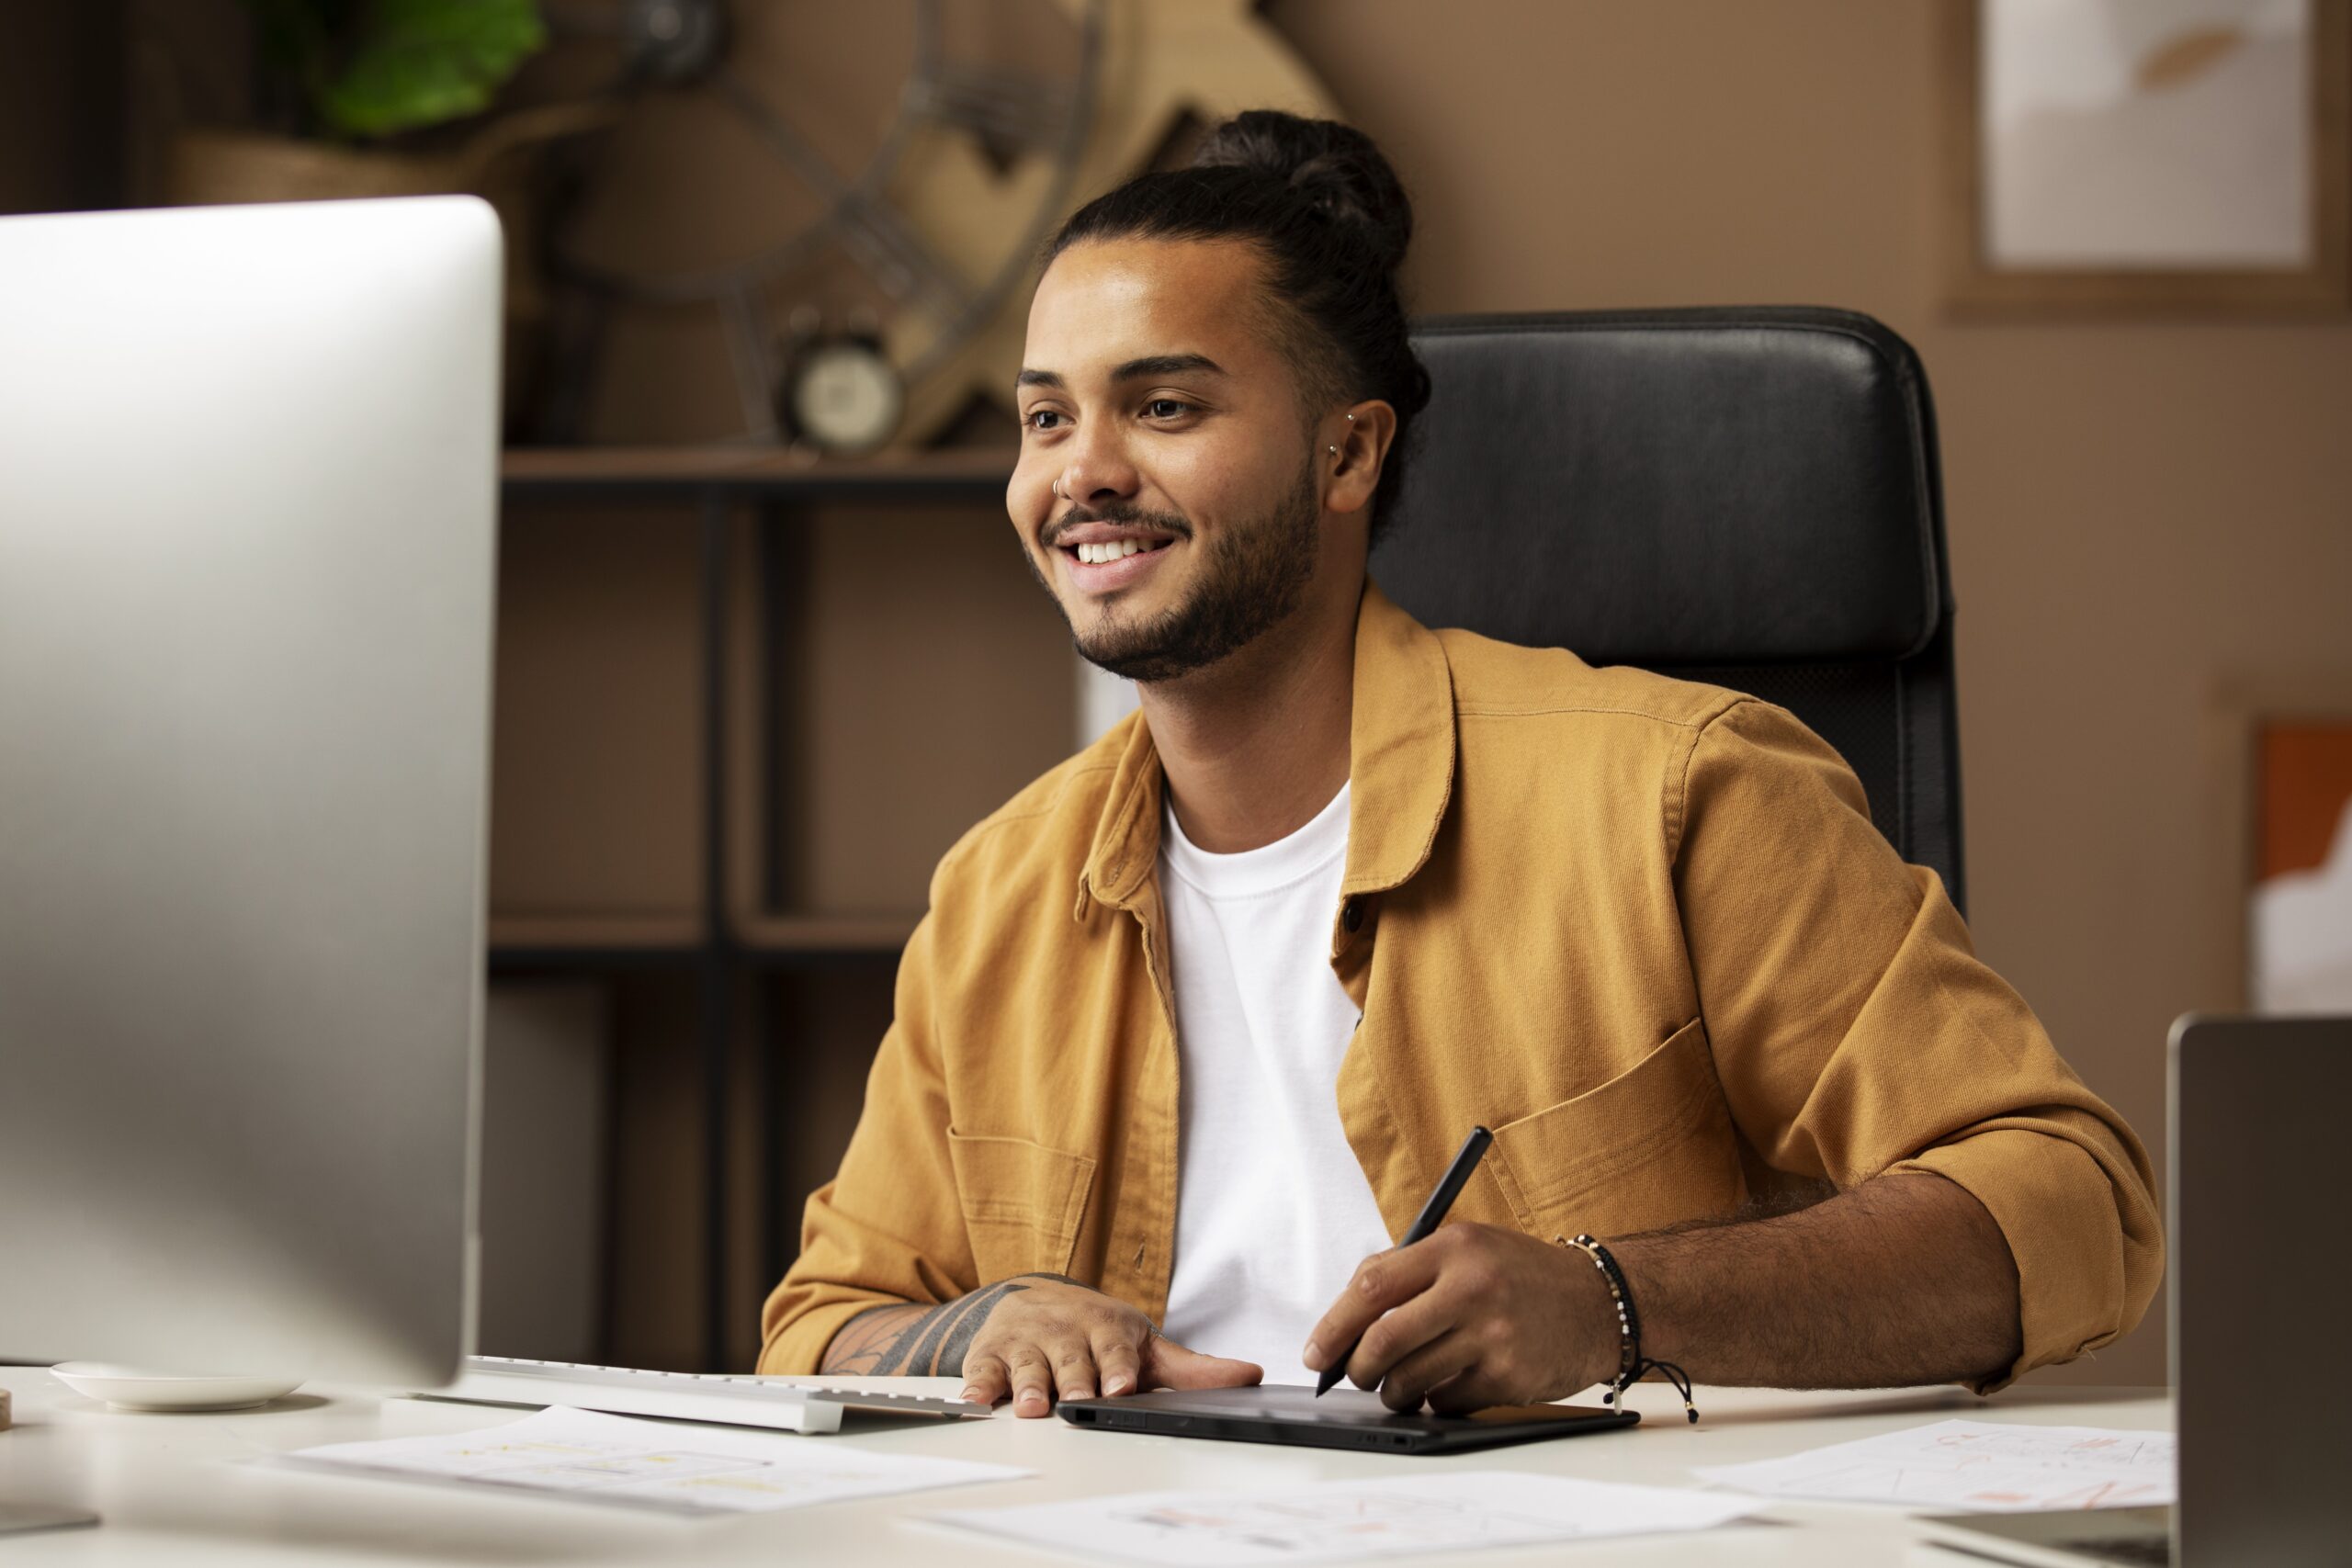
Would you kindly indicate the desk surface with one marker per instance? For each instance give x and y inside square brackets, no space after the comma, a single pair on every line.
[170,1489]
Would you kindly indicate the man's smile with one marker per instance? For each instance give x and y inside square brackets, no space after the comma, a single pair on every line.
[1112,564]
[1102,556]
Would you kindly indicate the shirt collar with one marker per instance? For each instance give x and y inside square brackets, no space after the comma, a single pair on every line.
[1400,746]
[1400,768]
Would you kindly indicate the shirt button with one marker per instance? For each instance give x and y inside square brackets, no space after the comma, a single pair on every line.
[1351,916]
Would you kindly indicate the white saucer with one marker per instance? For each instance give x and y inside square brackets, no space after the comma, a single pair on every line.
[130,1388]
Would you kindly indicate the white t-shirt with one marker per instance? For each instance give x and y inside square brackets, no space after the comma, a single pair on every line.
[1272,1212]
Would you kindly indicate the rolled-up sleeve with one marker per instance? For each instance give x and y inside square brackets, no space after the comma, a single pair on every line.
[889,1229]
[1855,1031]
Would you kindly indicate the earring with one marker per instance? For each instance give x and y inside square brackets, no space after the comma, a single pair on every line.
[1333,450]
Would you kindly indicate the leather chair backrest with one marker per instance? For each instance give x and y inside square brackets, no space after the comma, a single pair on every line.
[1744,496]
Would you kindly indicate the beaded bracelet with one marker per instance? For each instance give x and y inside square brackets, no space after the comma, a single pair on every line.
[1630,1362]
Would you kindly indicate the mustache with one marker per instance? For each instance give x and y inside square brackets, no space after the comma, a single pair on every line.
[1118,518]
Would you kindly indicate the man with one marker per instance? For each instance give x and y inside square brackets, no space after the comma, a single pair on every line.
[1196,1019]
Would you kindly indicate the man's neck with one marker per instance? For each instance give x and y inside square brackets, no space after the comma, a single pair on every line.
[1255,745]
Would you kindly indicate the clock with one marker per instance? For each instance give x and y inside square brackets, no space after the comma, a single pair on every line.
[898,160]
[842,395]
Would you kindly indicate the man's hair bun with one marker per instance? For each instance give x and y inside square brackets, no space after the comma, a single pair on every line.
[1335,169]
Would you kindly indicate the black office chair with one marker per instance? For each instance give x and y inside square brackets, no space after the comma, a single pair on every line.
[1747,497]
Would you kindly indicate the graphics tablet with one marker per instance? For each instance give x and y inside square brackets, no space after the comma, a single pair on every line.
[1343,1418]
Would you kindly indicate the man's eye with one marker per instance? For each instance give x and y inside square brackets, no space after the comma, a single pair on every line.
[1043,419]
[1167,408]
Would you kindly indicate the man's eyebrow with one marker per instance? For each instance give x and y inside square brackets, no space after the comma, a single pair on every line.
[1165,365]
[1133,371]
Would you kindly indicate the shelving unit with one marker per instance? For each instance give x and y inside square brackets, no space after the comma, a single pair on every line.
[867,669]
[764,470]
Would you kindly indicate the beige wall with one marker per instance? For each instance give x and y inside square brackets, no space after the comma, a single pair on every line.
[2138,510]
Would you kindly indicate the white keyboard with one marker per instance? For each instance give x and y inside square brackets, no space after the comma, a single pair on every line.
[723,1398]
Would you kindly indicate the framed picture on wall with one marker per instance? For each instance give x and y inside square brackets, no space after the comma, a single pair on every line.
[2298,936]
[2285,781]
[2148,155]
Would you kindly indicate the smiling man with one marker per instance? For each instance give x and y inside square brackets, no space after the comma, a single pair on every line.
[1195,1021]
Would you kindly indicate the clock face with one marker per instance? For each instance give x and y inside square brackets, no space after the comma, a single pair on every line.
[846,398]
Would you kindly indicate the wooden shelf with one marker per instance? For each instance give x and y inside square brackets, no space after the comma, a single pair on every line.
[592,933]
[586,935]
[768,470]
[718,702]
[826,933]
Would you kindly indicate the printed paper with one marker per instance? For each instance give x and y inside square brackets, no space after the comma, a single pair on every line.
[1974,1465]
[656,1464]
[1457,1511]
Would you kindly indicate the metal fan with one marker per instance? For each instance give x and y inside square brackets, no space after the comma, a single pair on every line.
[1014,118]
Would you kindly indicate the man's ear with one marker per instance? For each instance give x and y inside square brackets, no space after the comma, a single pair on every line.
[1354,445]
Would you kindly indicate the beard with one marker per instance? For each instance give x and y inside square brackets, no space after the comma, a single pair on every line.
[1250,579]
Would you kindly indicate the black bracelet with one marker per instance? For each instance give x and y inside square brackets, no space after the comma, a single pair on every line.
[1630,1362]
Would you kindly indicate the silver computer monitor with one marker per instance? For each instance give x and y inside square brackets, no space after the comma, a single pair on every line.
[248,461]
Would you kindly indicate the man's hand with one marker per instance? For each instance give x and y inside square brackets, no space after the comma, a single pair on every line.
[1471,1317]
[1036,1337]
[1047,1338]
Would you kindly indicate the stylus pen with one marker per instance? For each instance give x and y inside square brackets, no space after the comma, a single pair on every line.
[1432,1214]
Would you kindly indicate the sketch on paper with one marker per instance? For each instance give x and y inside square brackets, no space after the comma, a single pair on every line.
[1979,1466]
[588,1455]
[1352,1520]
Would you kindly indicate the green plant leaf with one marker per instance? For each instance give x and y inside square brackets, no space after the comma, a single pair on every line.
[410,63]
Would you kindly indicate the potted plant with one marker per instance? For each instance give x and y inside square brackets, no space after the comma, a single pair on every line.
[369,97]
[393,98]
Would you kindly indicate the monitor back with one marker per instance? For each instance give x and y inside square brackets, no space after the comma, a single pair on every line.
[247,537]
[2260,1288]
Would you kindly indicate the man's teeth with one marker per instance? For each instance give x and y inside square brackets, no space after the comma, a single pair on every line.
[1111,550]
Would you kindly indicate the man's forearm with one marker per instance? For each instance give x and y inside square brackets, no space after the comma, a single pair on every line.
[1902,1279]
[919,1341]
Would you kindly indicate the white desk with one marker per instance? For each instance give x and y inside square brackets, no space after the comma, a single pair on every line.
[169,1489]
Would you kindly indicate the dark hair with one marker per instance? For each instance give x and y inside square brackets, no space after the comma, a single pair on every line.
[1326,210]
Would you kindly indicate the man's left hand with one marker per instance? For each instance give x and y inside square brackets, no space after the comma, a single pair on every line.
[1473,1316]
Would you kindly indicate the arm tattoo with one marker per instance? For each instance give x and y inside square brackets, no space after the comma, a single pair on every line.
[959,1337]
[968,1309]
[915,1341]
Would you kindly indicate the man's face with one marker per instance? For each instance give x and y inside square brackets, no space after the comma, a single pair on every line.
[1154,399]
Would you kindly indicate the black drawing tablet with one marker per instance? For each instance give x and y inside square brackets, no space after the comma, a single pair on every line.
[1343,1418]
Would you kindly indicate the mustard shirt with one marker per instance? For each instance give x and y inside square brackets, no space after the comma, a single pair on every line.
[1641,928]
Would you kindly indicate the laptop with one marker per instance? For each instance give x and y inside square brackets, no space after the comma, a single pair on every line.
[1344,1418]
[2259,1284]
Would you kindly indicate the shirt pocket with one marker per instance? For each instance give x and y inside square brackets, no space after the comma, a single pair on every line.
[1652,1147]
[1022,1203]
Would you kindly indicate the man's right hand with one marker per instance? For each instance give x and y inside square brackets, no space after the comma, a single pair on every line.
[1045,1337]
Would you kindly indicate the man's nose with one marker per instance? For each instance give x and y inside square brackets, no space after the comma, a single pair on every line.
[1100,470]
